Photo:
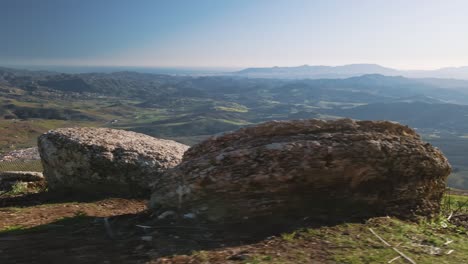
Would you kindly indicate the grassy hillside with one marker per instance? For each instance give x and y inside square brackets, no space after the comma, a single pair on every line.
[17,134]
[44,225]
[191,109]
[426,241]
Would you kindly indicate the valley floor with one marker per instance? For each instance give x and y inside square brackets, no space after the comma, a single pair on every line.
[43,228]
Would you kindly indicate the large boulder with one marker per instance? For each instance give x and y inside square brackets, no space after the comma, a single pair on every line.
[327,170]
[103,160]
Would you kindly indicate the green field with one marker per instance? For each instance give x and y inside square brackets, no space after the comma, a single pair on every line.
[34,165]
[189,109]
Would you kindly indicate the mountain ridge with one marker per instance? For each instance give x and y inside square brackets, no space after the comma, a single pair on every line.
[349,70]
[190,108]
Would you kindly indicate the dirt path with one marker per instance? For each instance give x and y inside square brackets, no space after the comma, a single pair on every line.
[48,213]
[43,228]
[39,228]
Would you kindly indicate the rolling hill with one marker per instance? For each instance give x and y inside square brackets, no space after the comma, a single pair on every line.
[190,109]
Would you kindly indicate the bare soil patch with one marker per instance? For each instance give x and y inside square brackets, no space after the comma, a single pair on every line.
[43,228]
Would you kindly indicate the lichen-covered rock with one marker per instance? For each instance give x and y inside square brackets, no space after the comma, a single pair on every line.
[105,160]
[306,168]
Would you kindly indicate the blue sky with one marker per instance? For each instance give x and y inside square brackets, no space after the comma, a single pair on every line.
[406,34]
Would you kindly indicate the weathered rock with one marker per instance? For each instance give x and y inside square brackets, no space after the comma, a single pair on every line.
[28,178]
[21,155]
[329,170]
[105,160]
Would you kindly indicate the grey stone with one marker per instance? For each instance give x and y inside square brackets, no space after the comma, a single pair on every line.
[105,160]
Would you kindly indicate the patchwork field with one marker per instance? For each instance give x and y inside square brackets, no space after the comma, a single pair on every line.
[190,109]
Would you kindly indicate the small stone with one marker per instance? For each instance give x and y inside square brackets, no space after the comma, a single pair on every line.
[147,238]
[166,214]
[238,257]
[190,216]
[139,247]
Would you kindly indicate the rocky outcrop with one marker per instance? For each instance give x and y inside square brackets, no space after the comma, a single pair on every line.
[102,160]
[26,154]
[27,178]
[326,170]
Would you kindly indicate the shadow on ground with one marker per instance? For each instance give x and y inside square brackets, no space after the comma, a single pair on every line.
[45,197]
[83,229]
[134,238]
[78,239]
[70,228]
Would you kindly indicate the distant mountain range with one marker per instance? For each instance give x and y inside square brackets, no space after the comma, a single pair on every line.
[299,72]
[367,88]
[190,108]
[346,71]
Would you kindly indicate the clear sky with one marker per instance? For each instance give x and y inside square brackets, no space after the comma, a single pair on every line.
[406,34]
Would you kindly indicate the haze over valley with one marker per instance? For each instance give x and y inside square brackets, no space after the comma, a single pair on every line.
[350,70]
[191,108]
[233,131]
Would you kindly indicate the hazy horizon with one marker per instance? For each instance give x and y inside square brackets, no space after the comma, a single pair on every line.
[399,34]
[184,69]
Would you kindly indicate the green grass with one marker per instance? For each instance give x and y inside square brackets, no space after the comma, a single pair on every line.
[241,109]
[61,225]
[259,259]
[288,236]
[22,188]
[423,242]
[11,228]
[454,203]
[427,241]
[19,188]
